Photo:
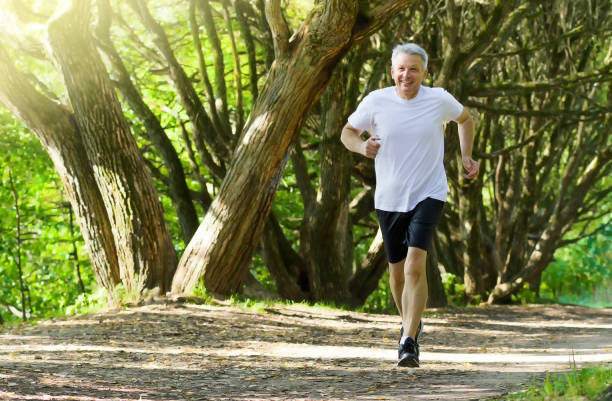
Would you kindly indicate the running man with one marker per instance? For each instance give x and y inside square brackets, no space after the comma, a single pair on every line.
[407,142]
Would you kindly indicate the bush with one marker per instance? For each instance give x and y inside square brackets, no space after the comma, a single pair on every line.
[581,273]
[524,296]
[88,303]
[455,291]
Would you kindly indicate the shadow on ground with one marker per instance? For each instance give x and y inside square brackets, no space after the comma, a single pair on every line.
[189,352]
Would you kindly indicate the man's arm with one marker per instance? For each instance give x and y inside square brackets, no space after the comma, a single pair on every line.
[465,125]
[351,138]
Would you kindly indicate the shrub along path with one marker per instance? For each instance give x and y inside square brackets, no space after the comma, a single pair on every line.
[279,352]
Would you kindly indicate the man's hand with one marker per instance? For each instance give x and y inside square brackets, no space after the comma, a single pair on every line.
[370,147]
[471,166]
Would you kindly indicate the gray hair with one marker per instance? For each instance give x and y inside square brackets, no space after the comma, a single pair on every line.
[409,48]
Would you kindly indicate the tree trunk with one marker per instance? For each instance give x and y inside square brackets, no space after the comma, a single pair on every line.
[328,221]
[74,254]
[144,248]
[177,185]
[366,278]
[472,255]
[54,125]
[436,296]
[284,264]
[18,242]
[222,248]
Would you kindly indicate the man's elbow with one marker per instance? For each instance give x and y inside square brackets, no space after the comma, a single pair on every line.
[346,134]
[464,118]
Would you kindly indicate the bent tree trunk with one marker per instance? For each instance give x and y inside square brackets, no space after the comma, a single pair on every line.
[222,248]
[143,244]
[56,129]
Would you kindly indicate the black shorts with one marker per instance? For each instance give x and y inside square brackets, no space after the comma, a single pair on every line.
[415,228]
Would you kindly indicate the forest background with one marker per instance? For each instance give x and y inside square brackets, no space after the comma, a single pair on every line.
[154,146]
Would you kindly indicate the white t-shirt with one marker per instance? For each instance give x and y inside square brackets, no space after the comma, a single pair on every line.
[410,161]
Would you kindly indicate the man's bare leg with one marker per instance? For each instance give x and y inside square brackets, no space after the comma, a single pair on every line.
[408,282]
[396,282]
[414,294]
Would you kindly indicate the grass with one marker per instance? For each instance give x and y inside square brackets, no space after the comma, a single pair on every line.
[578,385]
[264,305]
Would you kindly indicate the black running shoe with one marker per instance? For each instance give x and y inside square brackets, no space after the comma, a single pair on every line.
[408,354]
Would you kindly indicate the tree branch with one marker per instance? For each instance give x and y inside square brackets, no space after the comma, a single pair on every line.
[278,27]
[578,114]
[558,83]
[519,145]
[208,89]
[201,123]
[239,114]
[219,64]
[245,32]
[176,182]
[502,14]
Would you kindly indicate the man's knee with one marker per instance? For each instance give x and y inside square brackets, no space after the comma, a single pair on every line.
[415,263]
[396,270]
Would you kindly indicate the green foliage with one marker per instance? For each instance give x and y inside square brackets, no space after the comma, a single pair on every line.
[88,303]
[587,382]
[200,292]
[524,296]
[125,296]
[582,272]
[258,305]
[455,291]
[261,273]
[45,248]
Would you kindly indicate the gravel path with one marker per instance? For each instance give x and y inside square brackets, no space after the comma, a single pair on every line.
[224,352]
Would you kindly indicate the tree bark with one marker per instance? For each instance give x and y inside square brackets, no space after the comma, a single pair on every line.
[223,245]
[57,130]
[177,184]
[436,296]
[284,264]
[327,219]
[366,278]
[144,248]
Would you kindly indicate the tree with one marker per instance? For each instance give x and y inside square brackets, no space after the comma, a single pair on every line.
[540,86]
[222,248]
[332,28]
[188,79]
[54,125]
[465,245]
[128,218]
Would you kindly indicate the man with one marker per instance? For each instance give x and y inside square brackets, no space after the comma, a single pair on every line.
[407,142]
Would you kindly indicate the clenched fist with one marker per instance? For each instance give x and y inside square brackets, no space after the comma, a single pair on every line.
[471,166]
[370,147]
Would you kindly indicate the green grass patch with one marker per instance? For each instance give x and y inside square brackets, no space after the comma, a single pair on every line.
[578,385]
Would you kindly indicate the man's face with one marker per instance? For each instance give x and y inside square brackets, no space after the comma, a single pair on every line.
[408,74]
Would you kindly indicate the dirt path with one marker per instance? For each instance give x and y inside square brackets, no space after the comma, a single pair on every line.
[191,352]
